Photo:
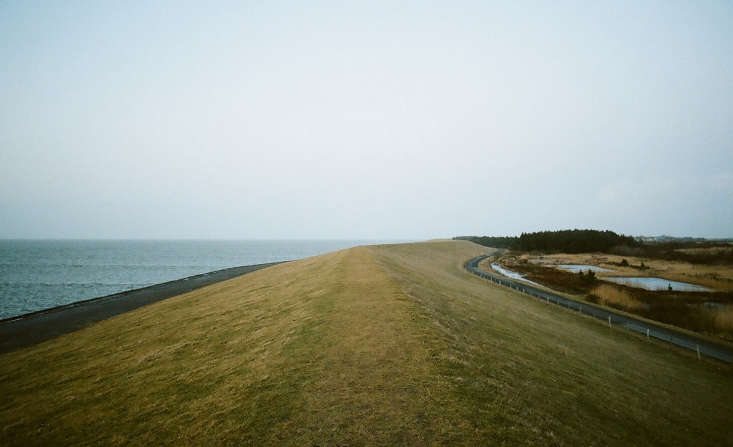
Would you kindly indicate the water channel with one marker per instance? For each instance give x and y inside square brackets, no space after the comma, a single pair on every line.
[654,283]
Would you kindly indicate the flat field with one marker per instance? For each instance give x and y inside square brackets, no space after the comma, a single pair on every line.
[378,345]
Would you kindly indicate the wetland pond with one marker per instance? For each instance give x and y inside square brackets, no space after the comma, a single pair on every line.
[653,283]
[575,268]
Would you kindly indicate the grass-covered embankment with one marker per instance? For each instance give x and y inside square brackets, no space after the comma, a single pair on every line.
[386,344]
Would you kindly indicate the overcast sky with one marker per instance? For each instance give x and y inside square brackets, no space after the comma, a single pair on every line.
[379,120]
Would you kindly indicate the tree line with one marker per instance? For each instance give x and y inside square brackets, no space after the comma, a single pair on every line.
[565,241]
[584,241]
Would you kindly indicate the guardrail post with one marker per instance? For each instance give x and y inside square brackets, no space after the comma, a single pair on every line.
[698,351]
[647,332]
[609,321]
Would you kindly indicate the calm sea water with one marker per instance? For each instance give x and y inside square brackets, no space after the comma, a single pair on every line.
[36,275]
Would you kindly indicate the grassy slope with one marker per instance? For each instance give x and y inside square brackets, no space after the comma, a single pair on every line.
[386,344]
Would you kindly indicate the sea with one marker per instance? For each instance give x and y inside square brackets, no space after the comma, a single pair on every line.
[39,274]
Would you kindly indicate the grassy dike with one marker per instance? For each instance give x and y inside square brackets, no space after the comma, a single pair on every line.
[392,344]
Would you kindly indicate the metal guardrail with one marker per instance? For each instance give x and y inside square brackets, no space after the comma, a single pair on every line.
[700,345]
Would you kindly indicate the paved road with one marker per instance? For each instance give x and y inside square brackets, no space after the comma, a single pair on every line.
[35,327]
[700,345]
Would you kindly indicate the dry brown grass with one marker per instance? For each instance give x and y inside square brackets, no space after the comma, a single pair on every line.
[685,310]
[705,250]
[723,319]
[614,297]
[716,277]
[383,345]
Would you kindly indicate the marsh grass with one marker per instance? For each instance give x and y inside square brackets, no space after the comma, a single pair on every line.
[615,297]
[718,277]
[382,345]
[685,310]
[707,251]
[723,320]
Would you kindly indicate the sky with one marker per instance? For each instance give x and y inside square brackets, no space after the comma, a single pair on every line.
[312,120]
